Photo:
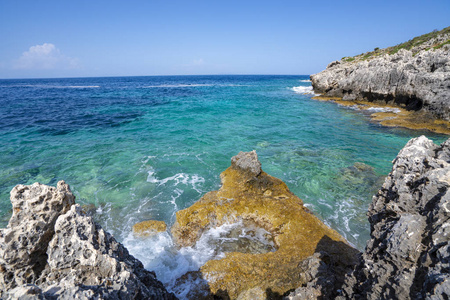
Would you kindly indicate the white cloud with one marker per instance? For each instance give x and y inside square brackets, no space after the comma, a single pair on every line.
[195,63]
[44,57]
[198,62]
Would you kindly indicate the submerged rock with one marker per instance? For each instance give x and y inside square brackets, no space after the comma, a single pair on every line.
[51,249]
[251,196]
[408,254]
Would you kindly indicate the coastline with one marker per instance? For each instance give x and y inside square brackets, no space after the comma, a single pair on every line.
[64,254]
[391,115]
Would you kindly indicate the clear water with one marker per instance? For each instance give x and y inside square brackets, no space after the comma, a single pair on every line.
[139,148]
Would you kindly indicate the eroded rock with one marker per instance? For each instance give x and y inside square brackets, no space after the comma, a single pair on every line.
[409,79]
[51,249]
[23,244]
[250,195]
[149,228]
[407,256]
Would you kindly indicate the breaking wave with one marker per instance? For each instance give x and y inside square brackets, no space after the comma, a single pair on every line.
[304,90]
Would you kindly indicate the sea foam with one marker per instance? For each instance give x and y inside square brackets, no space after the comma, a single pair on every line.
[304,90]
[160,254]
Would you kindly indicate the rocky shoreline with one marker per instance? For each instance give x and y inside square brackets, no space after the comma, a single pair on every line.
[414,79]
[52,250]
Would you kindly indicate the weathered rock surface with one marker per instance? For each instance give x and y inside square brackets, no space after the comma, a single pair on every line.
[52,250]
[23,244]
[251,196]
[149,228]
[408,255]
[410,79]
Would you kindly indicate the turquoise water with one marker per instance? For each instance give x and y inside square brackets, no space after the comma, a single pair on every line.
[138,148]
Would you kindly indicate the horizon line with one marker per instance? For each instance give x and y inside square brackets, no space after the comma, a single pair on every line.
[116,76]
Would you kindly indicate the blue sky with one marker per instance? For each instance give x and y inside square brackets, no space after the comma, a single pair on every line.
[62,38]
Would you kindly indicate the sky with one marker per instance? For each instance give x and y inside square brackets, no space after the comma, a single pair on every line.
[62,38]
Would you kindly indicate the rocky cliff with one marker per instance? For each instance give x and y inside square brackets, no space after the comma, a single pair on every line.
[408,254]
[414,75]
[52,250]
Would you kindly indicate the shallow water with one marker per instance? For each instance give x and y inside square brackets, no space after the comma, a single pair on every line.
[139,148]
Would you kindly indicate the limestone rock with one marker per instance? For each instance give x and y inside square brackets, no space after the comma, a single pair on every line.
[25,292]
[51,249]
[414,80]
[408,254]
[149,228]
[247,162]
[251,196]
[23,244]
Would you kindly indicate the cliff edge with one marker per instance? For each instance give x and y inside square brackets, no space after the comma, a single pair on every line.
[408,254]
[414,75]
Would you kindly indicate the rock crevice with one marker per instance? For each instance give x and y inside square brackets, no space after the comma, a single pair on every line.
[408,254]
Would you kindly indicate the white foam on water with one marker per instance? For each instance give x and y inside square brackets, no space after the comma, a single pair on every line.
[178,85]
[81,86]
[343,216]
[151,178]
[383,109]
[43,86]
[180,178]
[192,85]
[304,90]
[159,253]
[305,80]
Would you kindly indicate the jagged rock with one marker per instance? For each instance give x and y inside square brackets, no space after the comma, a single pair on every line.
[23,244]
[25,292]
[149,228]
[247,162]
[251,196]
[414,80]
[62,253]
[319,279]
[408,254]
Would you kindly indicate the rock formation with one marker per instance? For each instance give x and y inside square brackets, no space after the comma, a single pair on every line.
[52,250]
[416,79]
[305,248]
[408,254]
[149,228]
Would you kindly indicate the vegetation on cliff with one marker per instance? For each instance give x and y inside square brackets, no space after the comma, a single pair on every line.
[429,41]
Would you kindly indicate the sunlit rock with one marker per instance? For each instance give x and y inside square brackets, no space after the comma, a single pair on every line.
[52,250]
[149,228]
[249,195]
[408,254]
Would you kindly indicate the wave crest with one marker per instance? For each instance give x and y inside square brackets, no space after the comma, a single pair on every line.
[304,90]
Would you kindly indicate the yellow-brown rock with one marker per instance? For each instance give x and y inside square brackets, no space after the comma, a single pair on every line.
[149,228]
[394,115]
[251,195]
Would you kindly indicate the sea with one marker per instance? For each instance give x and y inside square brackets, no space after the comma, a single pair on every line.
[142,148]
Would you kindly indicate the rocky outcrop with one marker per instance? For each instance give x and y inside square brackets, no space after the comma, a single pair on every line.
[408,254]
[52,250]
[414,79]
[149,228]
[305,249]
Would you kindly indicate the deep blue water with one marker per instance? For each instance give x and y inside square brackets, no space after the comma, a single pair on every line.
[138,148]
